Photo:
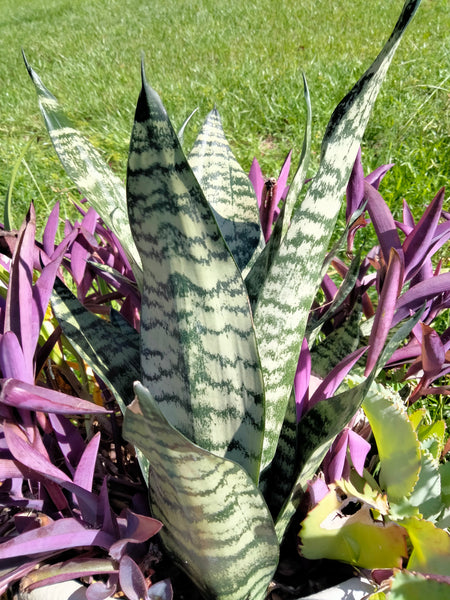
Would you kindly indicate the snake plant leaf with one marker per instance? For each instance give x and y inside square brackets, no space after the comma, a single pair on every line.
[87,169]
[349,525]
[111,350]
[278,481]
[337,345]
[198,347]
[397,442]
[300,175]
[228,191]
[291,284]
[216,522]
[315,433]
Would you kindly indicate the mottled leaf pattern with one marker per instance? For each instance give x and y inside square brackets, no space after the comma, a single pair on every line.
[215,520]
[198,348]
[315,433]
[112,351]
[291,284]
[84,165]
[228,191]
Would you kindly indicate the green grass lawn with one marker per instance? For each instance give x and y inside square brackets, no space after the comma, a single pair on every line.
[244,57]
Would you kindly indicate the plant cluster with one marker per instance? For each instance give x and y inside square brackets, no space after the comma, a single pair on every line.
[204,340]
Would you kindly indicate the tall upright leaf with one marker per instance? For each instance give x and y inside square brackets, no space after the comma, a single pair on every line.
[84,165]
[228,191]
[199,357]
[216,522]
[291,284]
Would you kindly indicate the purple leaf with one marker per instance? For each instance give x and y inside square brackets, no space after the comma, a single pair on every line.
[408,218]
[301,380]
[257,179]
[376,176]
[69,440]
[59,535]
[18,317]
[413,299]
[335,459]
[12,362]
[282,187]
[84,473]
[132,580]
[359,449]
[433,351]
[334,379]
[32,397]
[43,470]
[64,571]
[317,489]
[416,244]
[382,220]
[385,310]
[161,590]
[101,591]
[355,188]
[139,528]
[79,253]
[50,230]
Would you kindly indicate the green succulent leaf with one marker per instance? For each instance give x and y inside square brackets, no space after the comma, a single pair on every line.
[414,586]
[198,347]
[397,443]
[87,169]
[228,191]
[431,547]
[427,491]
[351,525]
[216,523]
[291,284]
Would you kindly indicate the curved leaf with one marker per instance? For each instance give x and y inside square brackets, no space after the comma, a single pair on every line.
[216,522]
[343,526]
[84,165]
[397,443]
[228,191]
[292,282]
[199,356]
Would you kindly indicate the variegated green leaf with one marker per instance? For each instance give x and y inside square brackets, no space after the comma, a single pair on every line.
[216,523]
[292,282]
[316,432]
[199,356]
[112,351]
[228,191]
[84,165]
[278,481]
[300,175]
[335,347]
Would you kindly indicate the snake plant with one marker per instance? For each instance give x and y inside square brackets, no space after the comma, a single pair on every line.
[223,318]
